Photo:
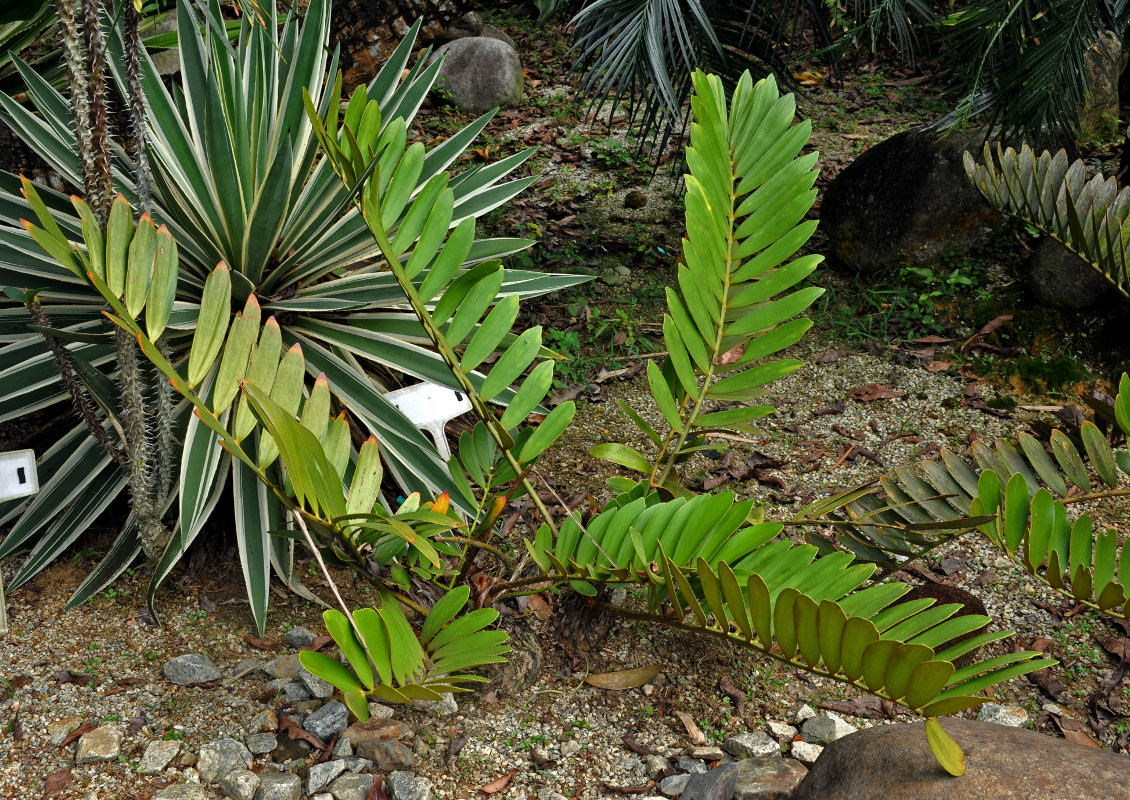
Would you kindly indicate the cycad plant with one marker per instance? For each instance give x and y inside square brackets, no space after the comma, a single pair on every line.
[708,564]
[236,177]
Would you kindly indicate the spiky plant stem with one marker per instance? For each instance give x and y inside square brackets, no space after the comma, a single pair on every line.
[99,189]
[139,440]
[78,77]
[136,102]
[164,409]
[75,389]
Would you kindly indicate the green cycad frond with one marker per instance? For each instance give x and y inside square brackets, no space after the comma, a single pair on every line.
[407,668]
[1089,218]
[1015,493]
[747,194]
[739,582]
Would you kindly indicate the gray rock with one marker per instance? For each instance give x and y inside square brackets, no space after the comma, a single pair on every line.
[240,784]
[279,786]
[1058,277]
[299,637]
[320,775]
[468,25]
[443,707]
[904,202]
[253,667]
[752,745]
[783,733]
[191,668]
[768,778]
[806,752]
[894,762]
[480,73]
[218,758]
[406,786]
[378,711]
[570,748]
[342,747]
[285,666]
[290,688]
[824,730]
[706,753]
[494,33]
[104,743]
[672,786]
[331,718]
[264,722]
[58,730]
[158,754]
[290,750]
[1099,116]
[804,712]
[1011,716]
[716,784]
[322,796]
[654,764]
[691,765]
[357,764]
[261,743]
[182,791]
[388,754]
[319,688]
[352,787]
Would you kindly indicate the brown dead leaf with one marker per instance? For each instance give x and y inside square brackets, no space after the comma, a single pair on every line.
[994,324]
[636,747]
[263,644]
[737,696]
[291,729]
[1119,647]
[933,340]
[496,786]
[570,392]
[836,407]
[693,733]
[938,366]
[66,676]
[541,609]
[319,642]
[731,355]
[85,727]
[869,392]
[55,783]
[20,681]
[1073,731]
[377,790]
[624,678]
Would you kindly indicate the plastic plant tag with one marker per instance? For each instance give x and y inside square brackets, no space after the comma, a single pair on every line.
[430,407]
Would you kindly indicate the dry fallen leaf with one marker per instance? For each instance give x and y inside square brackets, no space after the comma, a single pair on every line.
[938,366]
[623,679]
[541,609]
[867,392]
[85,727]
[264,644]
[731,355]
[496,786]
[291,729]
[693,733]
[55,783]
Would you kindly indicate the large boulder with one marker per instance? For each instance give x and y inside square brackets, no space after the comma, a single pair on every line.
[480,73]
[471,25]
[1058,277]
[894,762]
[904,202]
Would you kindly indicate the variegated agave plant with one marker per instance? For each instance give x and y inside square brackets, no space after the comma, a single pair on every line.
[237,178]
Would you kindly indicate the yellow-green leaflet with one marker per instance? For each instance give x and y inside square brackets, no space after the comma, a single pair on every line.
[367,477]
[119,234]
[92,235]
[163,286]
[139,270]
[212,326]
[233,364]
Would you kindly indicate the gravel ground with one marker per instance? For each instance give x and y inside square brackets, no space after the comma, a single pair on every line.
[114,654]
